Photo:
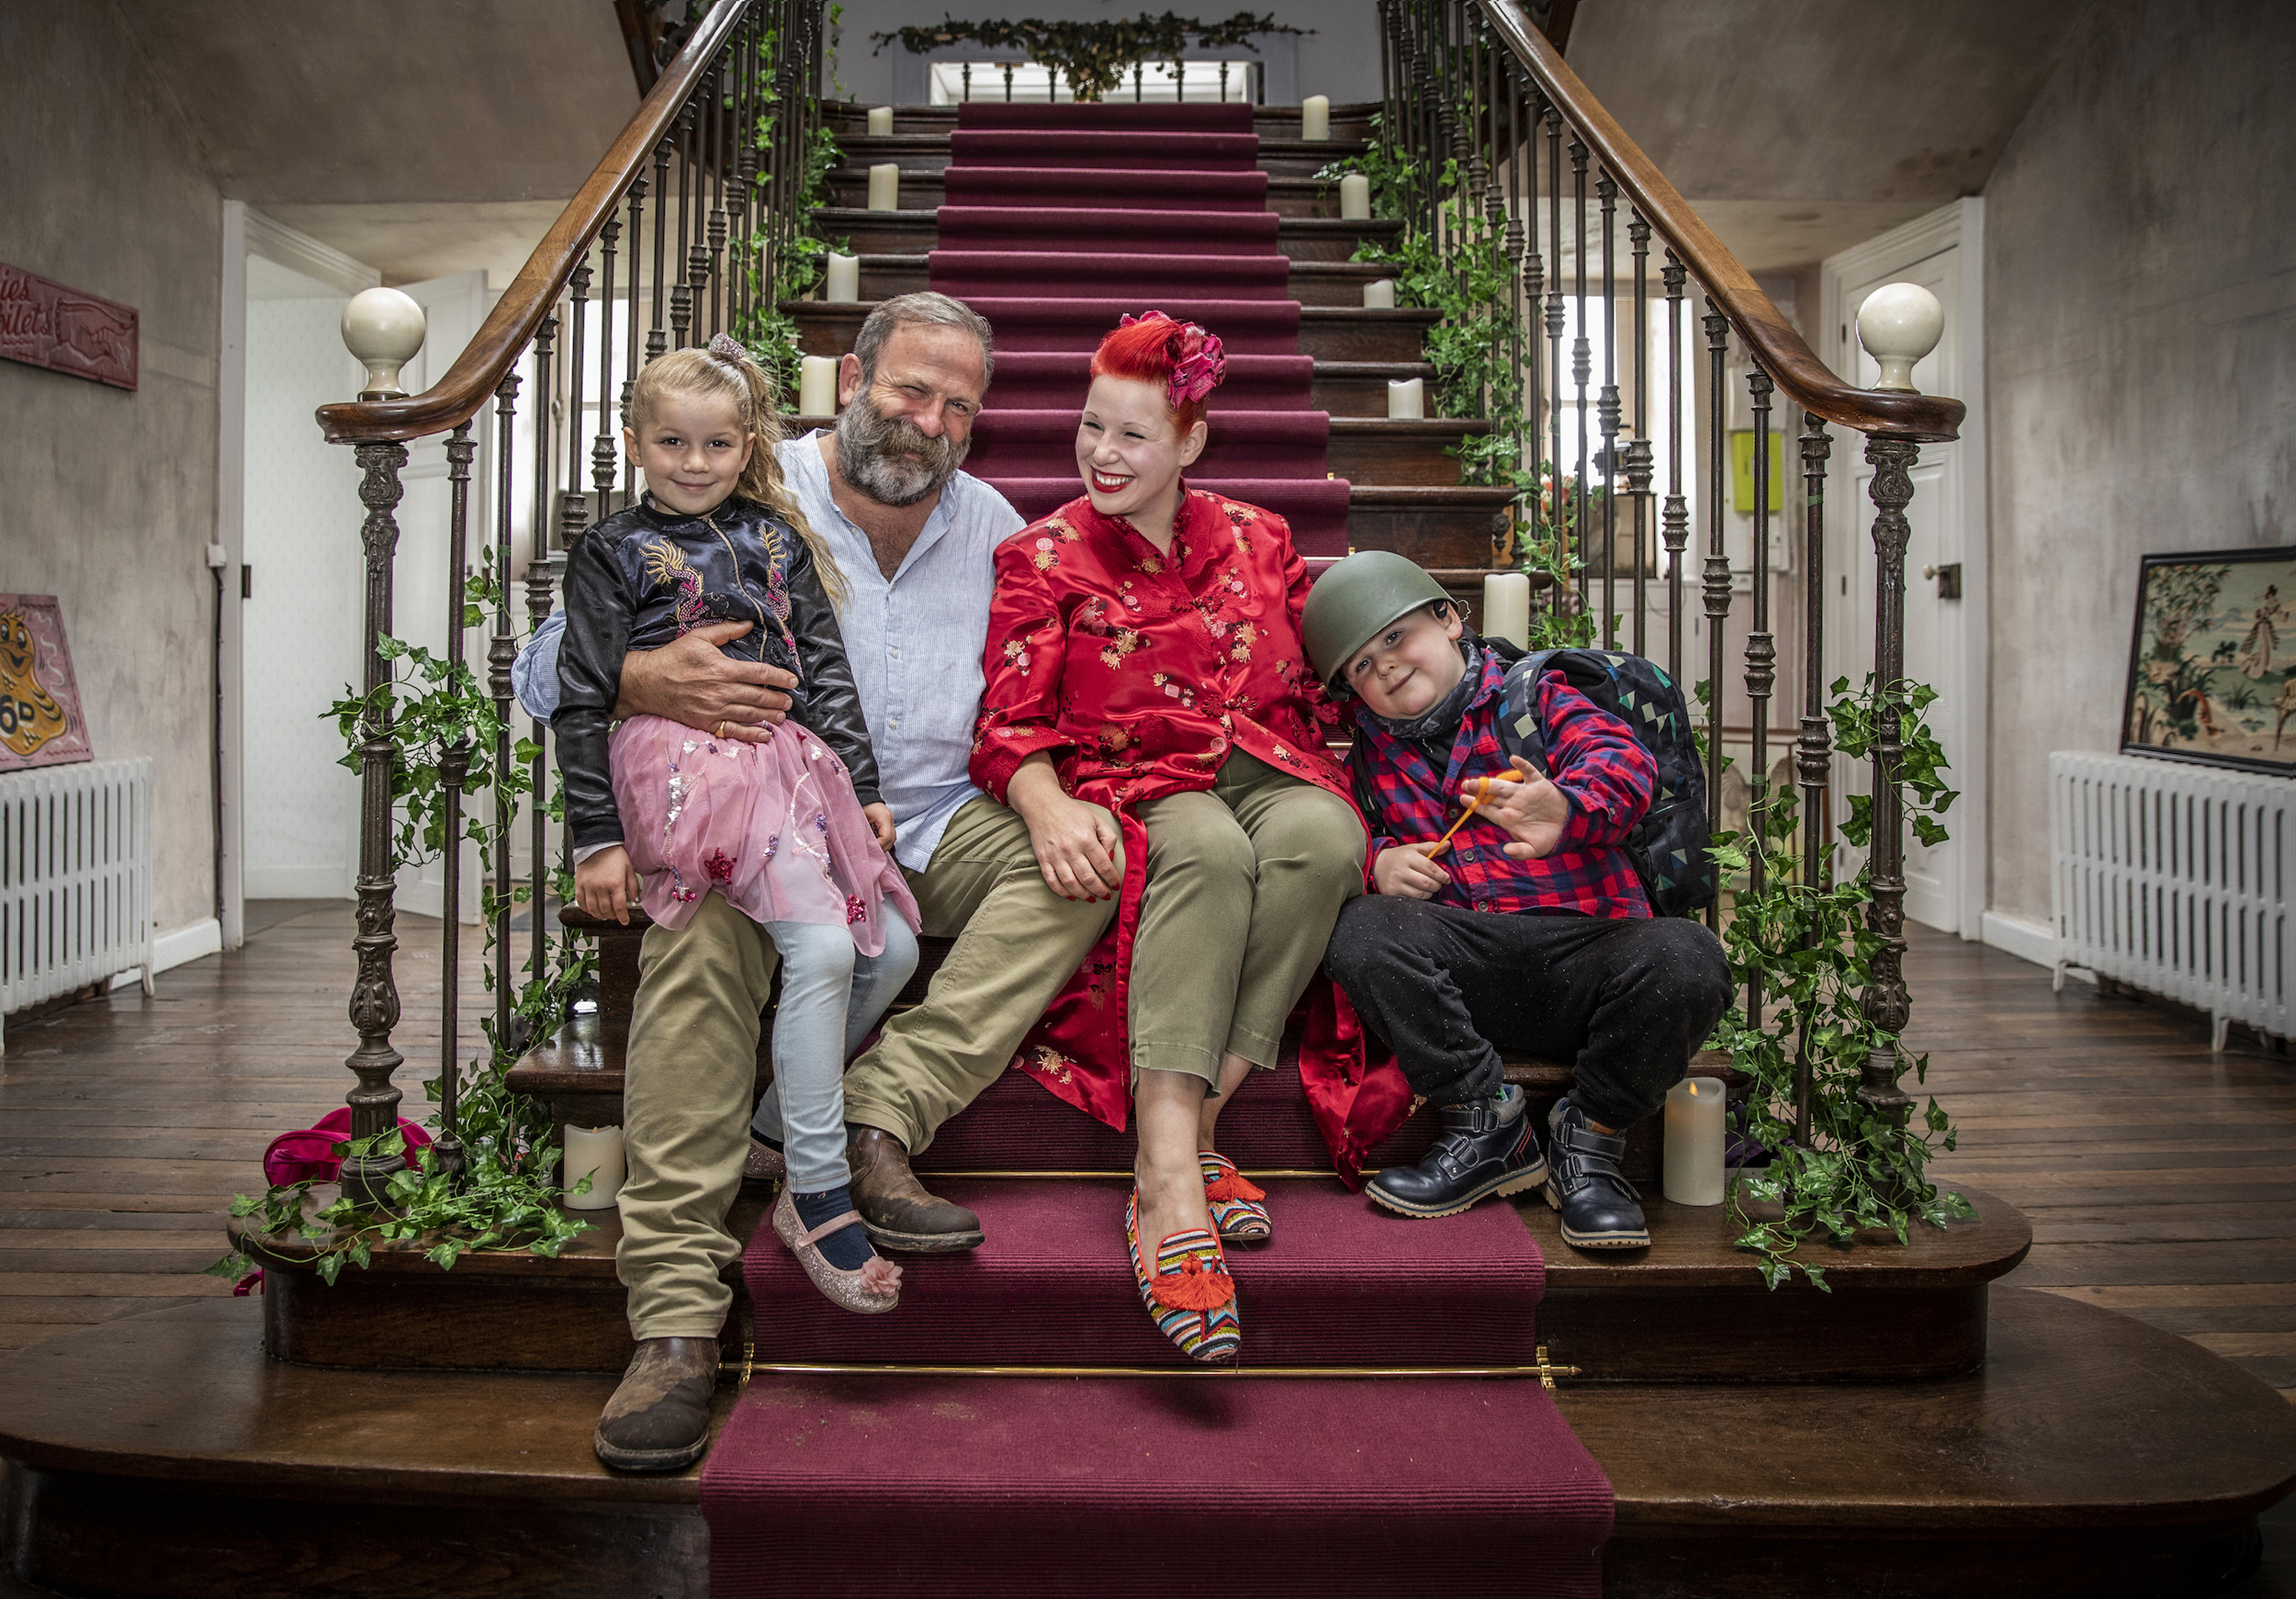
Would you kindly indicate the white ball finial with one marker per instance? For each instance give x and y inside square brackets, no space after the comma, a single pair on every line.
[383,328]
[1898,325]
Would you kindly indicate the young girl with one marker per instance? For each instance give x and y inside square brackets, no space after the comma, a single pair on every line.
[790,831]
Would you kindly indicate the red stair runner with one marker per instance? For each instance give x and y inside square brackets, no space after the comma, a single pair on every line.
[1340,1284]
[861,1486]
[1061,221]
[864,1483]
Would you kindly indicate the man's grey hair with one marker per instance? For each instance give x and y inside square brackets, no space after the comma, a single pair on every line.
[936,309]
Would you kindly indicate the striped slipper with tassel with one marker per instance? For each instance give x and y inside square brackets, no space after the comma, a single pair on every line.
[1234,1201]
[1190,1298]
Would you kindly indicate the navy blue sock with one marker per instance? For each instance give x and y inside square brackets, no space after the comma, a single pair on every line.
[847,1248]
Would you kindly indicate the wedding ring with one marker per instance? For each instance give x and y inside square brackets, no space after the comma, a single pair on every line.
[721,730]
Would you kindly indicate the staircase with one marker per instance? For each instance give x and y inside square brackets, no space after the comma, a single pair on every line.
[1467,1406]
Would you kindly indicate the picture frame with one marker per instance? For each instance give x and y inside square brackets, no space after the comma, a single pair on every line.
[2212,660]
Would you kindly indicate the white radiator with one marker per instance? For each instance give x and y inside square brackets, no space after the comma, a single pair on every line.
[74,878]
[2175,879]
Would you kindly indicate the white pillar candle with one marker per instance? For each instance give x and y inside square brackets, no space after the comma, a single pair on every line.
[1379,294]
[595,1153]
[1506,608]
[1355,198]
[885,187]
[1316,117]
[816,387]
[1693,1142]
[881,120]
[1406,397]
[844,279]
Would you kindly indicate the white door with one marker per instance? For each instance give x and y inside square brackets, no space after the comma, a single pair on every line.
[1945,557]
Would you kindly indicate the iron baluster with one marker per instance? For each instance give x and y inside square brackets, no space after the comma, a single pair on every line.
[657,341]
[1675,518]
[1607,412]
[1761,659]
[1008,83]
[1886,1003]
[374,994]
[712,269]
[1638,448]
[1582,366]
[1560,528]
[1717,567]
[454,769]
[575,507]
[638,240]
[500,652]
[601,446]
[1812,751]
[681,294]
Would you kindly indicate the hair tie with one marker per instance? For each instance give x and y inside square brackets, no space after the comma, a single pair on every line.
[1199,360]
[726,348]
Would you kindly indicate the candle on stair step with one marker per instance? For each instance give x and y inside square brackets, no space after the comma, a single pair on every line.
[880,121]
[595,1153]
[816,387]
[1316,117]
[1693,1142]
[844,279]
[885,187]
[1379,294]
[1406,397]
[1355,198]
[1506,608]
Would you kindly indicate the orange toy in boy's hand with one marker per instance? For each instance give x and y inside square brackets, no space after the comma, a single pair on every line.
[1532,810]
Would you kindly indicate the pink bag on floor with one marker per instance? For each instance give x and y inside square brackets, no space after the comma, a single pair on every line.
[294,1157]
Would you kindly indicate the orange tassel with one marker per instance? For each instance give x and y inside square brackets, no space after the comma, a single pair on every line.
[1235,1186]
[1192,1288]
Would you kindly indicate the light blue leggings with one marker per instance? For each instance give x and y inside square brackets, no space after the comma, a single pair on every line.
[832,995]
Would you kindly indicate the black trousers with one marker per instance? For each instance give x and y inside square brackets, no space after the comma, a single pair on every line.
[1628,1002]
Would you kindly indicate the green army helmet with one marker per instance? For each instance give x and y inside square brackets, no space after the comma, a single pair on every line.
[1356,598]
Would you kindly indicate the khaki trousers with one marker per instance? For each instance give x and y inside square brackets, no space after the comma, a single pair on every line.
[1018,943]
[1244,882]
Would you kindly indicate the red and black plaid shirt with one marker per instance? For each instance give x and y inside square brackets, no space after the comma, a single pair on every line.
[1594,758]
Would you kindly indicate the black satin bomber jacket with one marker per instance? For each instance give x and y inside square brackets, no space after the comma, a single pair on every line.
[644,577]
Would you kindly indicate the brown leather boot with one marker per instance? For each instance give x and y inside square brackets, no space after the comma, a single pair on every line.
[659,1418]
[895,1211]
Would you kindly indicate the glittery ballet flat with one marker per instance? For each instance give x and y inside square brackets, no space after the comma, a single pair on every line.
[870,1290]
[1237,1214]
[764,1163]
[1191,1298]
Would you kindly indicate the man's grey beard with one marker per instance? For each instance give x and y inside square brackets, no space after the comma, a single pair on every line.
[890,458]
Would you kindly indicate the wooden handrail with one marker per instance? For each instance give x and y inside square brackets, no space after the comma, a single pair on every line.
[1782,350]
[512,325]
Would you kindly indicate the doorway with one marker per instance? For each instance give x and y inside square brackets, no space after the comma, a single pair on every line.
[1945,641]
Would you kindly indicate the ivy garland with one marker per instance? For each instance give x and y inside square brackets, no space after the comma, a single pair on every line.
[506,1195]
[1094,56]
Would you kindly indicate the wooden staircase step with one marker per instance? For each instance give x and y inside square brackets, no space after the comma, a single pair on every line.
[1348,121]
[1692,1307]
[921,152]
[923,187]
[1328,283]
[913,232]
[2090,1455]
[1347,333]
[1359,388]
[1377,449]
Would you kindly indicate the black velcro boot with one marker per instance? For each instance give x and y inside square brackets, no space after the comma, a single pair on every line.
[1487,1146]
[1601,1209]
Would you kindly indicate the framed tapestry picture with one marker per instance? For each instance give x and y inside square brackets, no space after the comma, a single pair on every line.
[2212,671]
[40,720]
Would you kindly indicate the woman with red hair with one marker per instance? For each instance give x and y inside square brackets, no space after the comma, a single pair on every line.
[1151,714]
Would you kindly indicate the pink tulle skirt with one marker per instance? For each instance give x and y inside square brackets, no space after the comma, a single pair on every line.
[774,827]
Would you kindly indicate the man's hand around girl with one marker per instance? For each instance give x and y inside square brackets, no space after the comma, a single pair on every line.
[692,680]
[606,887]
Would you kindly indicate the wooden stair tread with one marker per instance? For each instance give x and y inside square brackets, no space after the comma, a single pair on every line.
[2090,1440]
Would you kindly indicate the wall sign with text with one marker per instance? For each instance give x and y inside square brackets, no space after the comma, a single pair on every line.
[46,325]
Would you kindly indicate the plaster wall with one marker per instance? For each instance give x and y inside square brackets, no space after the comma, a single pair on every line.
[108,498]
[1340,57]
[2141,349]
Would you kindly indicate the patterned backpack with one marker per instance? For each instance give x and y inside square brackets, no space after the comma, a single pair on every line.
[1668,847]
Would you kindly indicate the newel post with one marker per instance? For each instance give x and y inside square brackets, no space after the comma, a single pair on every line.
[1898,325]
[383,329]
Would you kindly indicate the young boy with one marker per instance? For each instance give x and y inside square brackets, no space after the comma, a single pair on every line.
[1528,931]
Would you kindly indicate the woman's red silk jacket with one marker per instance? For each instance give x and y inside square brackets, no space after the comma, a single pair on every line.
[1139,672]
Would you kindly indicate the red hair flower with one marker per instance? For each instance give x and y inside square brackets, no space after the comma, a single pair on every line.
[1199,360]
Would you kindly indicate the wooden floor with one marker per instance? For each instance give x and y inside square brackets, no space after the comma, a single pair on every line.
[2160,1179]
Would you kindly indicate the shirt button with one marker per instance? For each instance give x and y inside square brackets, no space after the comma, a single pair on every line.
[895,653]
[896,721]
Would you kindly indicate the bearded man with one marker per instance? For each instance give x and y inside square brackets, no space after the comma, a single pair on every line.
[914,537]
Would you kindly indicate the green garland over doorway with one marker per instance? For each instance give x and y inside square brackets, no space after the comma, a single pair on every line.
[1094,56]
